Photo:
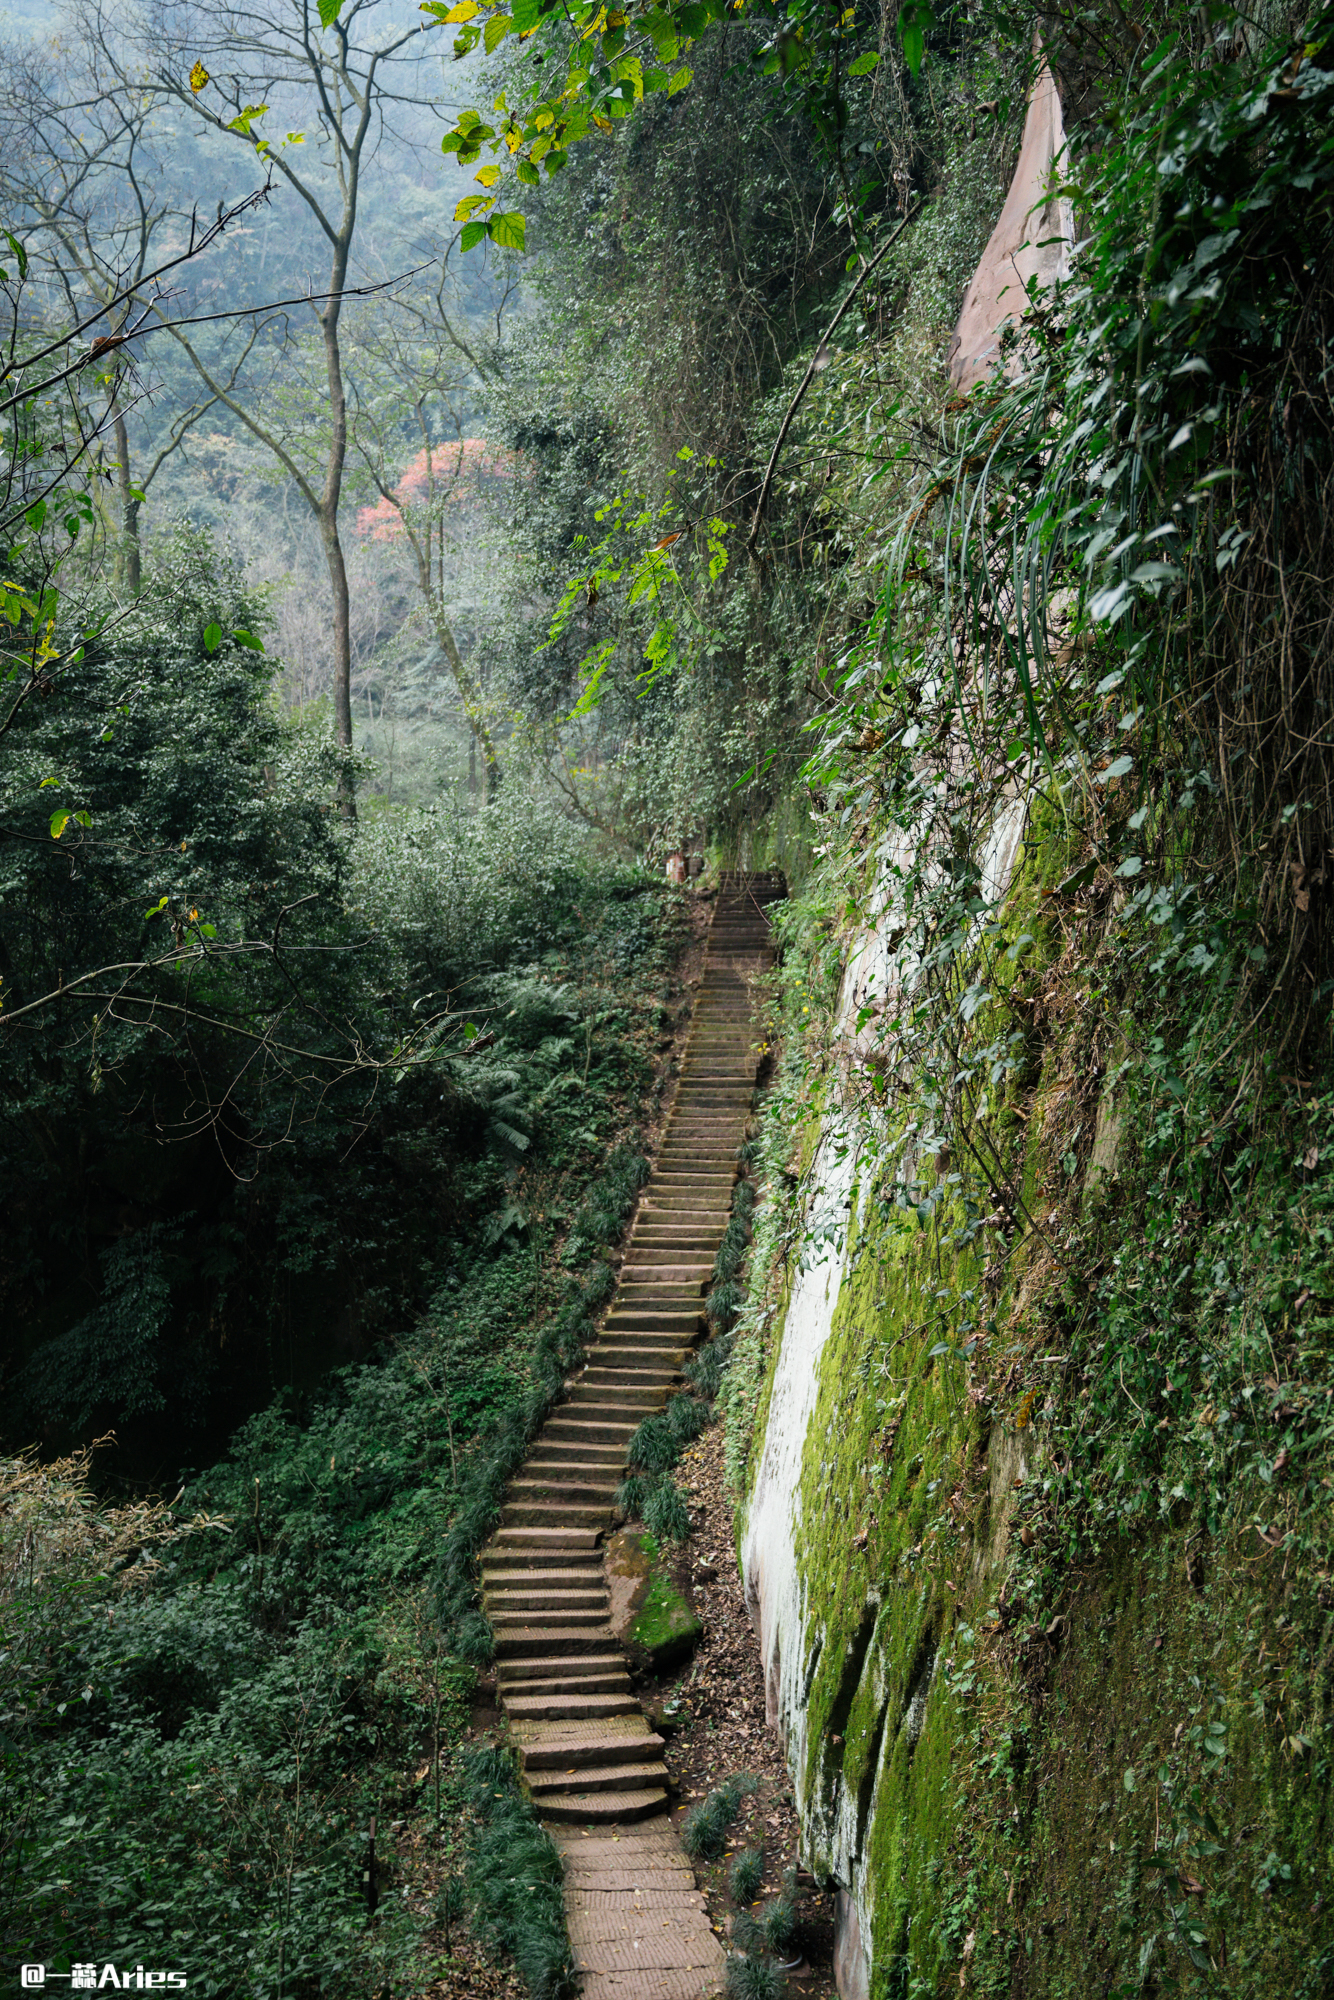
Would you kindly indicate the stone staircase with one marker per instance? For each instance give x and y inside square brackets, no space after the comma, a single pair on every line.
[591,1761]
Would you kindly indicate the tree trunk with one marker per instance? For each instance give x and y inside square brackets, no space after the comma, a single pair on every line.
[333,548]
[128,569]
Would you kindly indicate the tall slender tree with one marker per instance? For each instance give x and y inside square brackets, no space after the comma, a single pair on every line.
[413,384]
[234,70]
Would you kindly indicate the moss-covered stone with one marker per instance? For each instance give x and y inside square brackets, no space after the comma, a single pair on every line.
[650,1613]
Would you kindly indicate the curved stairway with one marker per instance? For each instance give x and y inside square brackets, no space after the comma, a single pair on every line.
[591,1761]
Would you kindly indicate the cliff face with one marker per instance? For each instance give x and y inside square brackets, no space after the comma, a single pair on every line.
[1036,1752]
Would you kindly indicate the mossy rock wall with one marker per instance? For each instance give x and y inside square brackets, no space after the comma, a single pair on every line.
[1115,1785]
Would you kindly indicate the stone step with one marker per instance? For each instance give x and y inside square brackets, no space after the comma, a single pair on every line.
[578,1451]
[560,1706]
[557,1616]
[700,1268]
[517,1672]
[597,1778]
[540,1641]
[582,1471]
[614,1432]
[628,1345]
[559,1753]
[677,1228]
[653,1255]
[559,1486]
[589,1578]
[544,1597]
[615,1680]
[546,1538]
[603,1809]
[644,1294]
[536,1513]
[678,1325]
[645,1375]
[561,1562]
[630,1396]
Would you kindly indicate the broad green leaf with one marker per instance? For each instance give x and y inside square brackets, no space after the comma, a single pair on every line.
[679,81]
[864,64]
[470,203]
[527,15]
[915,17]
[329,11]
[473,234]
[249,639]
[156,910]
[488,176]
[212,638]
[528,174]
[496,30]
[507,230]
[59,821]
[35,516]
[47,781]
[19,252]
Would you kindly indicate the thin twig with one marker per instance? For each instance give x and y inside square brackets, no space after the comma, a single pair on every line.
[814,364]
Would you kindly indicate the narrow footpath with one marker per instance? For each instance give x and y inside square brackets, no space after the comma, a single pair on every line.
[638,1925]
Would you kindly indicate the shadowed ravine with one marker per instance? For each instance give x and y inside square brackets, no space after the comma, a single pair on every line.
[638,1924]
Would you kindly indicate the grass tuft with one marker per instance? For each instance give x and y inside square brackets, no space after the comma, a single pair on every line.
[753,1978]
[514,1878]
[665,1513]
[704,1833]
[746,1875]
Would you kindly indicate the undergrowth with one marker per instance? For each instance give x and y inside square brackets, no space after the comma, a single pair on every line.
[514,1877]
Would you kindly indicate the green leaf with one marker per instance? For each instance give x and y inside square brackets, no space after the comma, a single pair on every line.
[329,11]
[528,174]
[507,230]
[496,30]
[19,252]
[1128,1779]
[35,516]
[59,821]
[473,234]
[915,17]
[526,16]
[156,910]
[212,638]
[864,64]
[248,639]
[679,81]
